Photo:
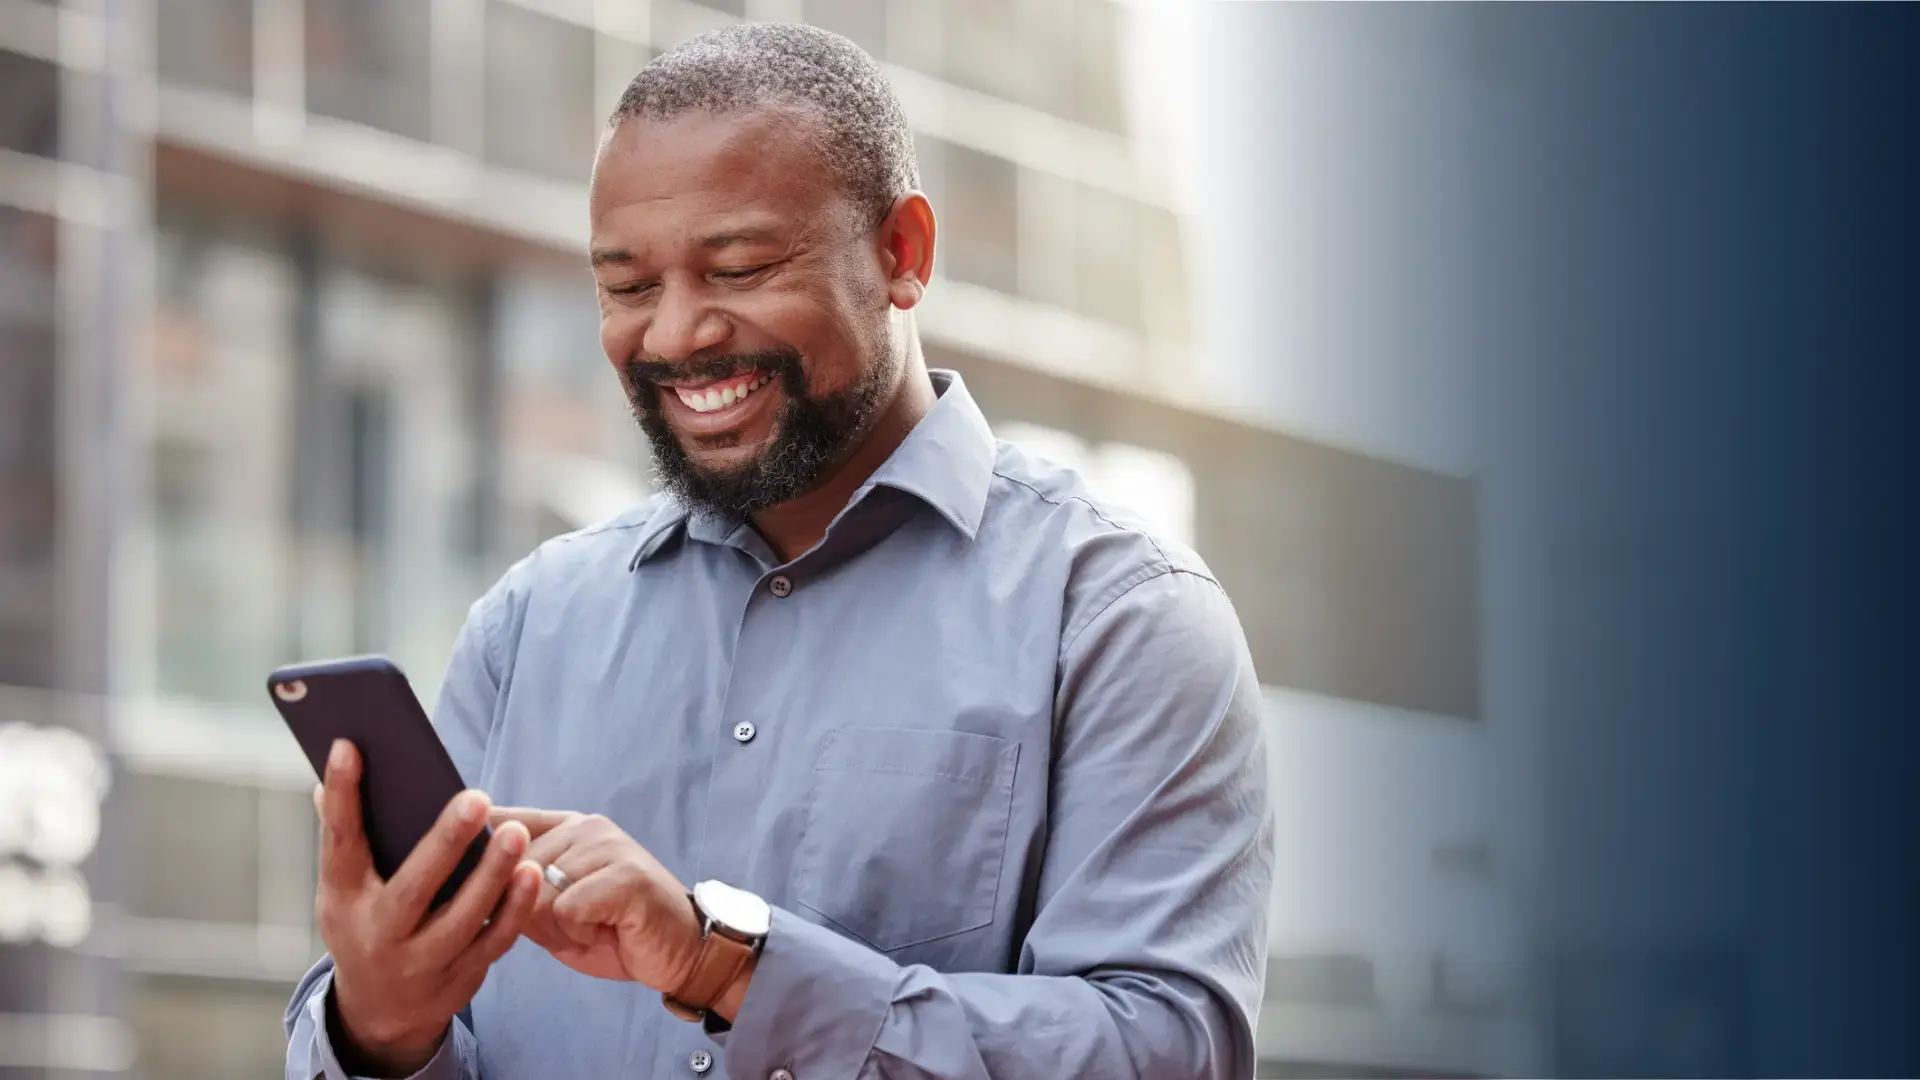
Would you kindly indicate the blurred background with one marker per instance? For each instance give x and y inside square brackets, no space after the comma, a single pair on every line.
[298,352]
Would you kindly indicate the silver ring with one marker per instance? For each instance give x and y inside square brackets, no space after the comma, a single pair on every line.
[556,877]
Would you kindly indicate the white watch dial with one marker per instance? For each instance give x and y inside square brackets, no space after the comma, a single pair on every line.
[736,909]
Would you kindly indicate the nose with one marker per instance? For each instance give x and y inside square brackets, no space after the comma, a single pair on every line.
[682,325]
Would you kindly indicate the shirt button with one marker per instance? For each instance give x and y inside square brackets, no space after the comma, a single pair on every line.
[700,1061]
[779,1074]
[781,585]
[743,732]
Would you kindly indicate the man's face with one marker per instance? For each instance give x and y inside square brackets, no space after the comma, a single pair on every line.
[742,301]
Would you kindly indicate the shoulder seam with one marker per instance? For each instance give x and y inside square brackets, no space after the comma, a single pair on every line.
[1090,505]
[1119,592]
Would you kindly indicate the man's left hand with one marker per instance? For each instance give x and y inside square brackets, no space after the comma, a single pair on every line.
[624,916]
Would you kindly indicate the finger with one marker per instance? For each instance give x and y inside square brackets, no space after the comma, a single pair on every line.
[551,846]
[540,925]
[596,899]
[404,902]
[509,919]
[538,822]
[448,933]
[346,863]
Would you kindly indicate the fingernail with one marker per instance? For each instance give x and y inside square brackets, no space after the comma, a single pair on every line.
[337,755]
[475,808]
[513,841]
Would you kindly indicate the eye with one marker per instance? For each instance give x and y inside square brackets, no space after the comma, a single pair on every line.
[629,290]
[741,273]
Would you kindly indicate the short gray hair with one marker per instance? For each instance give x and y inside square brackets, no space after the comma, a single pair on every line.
[749,65]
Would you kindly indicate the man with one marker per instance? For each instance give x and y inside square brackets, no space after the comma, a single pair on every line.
[965,772]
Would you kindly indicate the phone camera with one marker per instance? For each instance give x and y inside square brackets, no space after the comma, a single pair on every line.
[291,691]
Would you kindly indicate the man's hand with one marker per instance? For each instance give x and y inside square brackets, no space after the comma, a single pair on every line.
[624,916]
[401,973]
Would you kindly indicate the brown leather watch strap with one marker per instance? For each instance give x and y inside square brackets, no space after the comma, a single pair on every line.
[720,962]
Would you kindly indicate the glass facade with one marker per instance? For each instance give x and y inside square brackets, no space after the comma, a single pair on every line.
[353,406]
[370,61]
[28,473]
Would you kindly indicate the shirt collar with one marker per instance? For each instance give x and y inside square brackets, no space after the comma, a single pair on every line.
[946,461]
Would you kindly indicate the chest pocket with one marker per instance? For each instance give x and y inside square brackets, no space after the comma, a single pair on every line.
[906,832]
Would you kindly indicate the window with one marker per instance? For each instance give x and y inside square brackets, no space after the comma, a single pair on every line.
[1102,255]
[540,114]
[1098,98]
[29,105]
[1107,279]
[572,453]
[208,1027]
[207,43]
[222,462]
[978,214]
[369,61]
[1061,57]
[1167,308]
[986,48]
[28,510]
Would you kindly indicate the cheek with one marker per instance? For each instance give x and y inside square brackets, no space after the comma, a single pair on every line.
[847,329]
[620,335]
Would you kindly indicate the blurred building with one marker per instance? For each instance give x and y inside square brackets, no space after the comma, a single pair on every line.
[298,351]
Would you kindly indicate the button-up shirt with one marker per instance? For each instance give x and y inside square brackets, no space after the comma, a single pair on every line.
[991,750]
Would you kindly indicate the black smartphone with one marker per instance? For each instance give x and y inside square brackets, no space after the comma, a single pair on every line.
[406,777]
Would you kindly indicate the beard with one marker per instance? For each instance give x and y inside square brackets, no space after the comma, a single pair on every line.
[811,432]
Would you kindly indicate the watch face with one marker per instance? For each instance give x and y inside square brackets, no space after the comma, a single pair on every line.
[736,909]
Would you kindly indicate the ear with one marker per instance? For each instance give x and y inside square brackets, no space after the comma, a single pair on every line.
[907,249]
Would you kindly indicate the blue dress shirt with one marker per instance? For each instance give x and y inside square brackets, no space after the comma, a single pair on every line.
[991,750]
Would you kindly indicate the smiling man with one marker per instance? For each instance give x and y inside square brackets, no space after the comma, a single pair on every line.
[870,748]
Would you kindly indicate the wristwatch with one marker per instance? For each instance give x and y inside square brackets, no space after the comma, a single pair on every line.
[734,924]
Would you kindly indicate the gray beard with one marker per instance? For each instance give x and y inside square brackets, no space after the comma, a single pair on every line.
[810,433]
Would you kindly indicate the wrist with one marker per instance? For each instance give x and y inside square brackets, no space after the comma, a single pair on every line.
[732,924]
[728,1005]
[365,1048]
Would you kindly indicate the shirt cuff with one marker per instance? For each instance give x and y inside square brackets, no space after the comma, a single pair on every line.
[453,1061]
[814,1006]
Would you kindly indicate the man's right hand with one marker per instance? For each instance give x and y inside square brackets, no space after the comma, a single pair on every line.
[400,973]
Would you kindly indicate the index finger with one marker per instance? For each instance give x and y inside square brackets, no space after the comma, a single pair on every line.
[346,863]
[538,822]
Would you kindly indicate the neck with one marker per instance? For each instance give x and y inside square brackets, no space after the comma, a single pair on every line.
[798,524]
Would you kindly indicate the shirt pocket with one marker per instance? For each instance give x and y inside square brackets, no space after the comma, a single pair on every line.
[906,832]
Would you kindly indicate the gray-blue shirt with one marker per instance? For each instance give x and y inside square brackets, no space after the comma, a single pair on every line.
[991,750]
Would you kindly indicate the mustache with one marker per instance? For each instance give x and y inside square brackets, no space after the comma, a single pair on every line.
[785,362]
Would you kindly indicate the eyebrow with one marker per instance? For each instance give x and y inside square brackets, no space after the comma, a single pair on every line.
[711,242]
[737,236]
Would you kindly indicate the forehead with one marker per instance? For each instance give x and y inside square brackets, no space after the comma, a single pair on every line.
[665,180]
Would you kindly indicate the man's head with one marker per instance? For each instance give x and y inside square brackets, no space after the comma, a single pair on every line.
[755,226]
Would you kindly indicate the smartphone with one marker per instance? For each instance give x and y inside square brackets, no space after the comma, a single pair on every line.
[406,777]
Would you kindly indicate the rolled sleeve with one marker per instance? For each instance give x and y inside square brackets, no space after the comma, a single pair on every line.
[1145,957]
[310,1053]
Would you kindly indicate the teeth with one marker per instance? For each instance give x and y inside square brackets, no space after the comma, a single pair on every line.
[710,399]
